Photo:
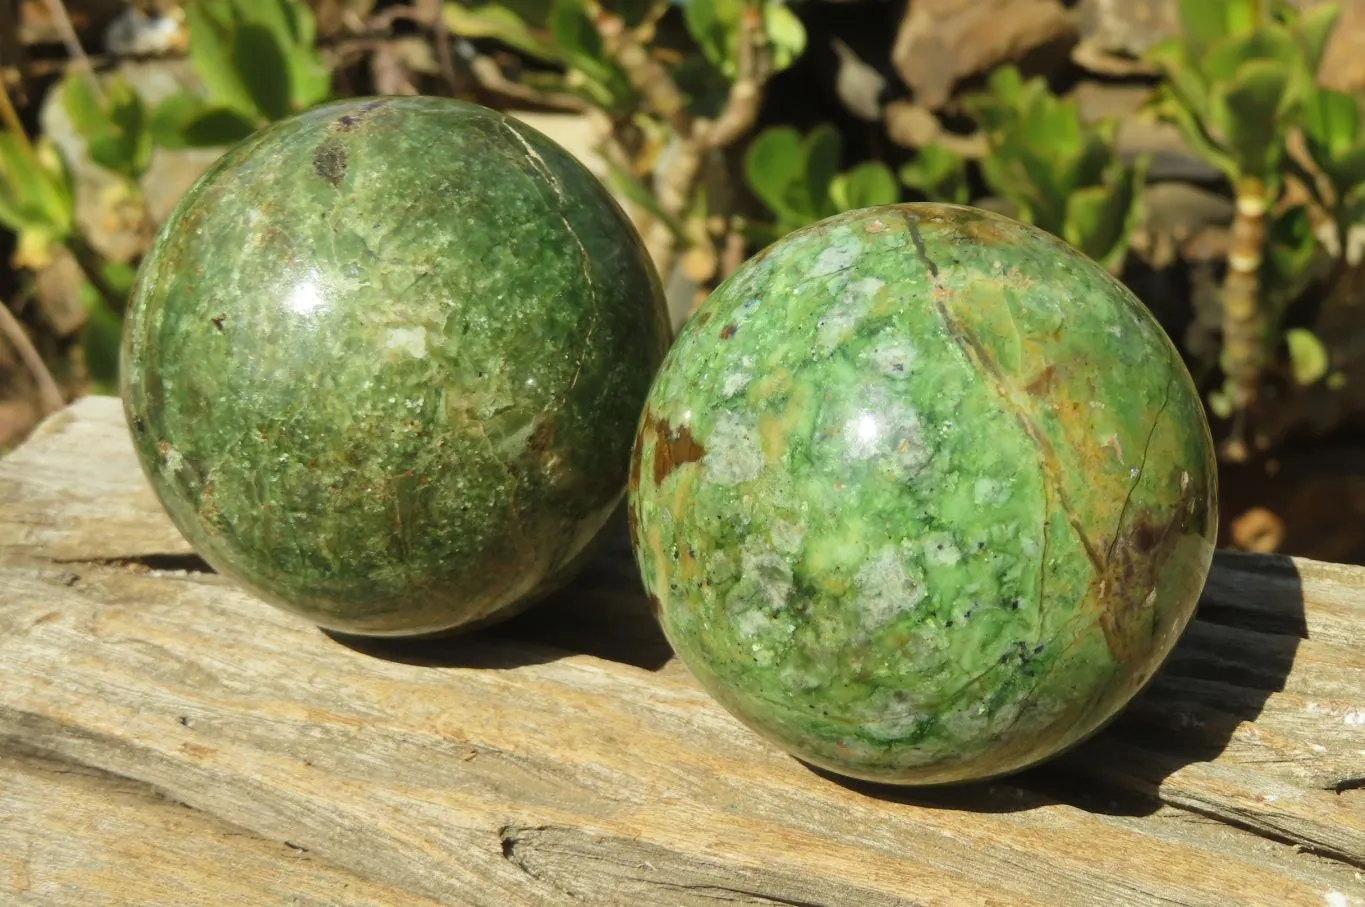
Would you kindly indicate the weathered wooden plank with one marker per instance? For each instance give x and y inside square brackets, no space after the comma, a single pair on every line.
[562,756]
[426,778]
[69,834]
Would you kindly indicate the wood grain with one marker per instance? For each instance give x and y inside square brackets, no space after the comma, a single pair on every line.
[563,758]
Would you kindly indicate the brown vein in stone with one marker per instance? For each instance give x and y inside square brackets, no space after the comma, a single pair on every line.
[1142,465]
[983,360]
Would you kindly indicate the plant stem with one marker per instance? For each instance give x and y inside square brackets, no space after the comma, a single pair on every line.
[48,392]
[1244,317]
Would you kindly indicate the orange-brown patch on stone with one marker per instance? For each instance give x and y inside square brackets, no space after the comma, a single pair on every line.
[637,450]
[673,449]
[1043,382]
[633,524]
[703,317]
[656,607]
[542,436]
[1125,592]
[728,331]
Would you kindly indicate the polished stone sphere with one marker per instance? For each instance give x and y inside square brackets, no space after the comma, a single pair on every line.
[384,363]
[923,495]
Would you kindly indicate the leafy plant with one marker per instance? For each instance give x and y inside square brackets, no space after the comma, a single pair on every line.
[37,197]
[668,111]
[938,174]
[1060,174]
[114,123]
[258,63]
[1239,81]
[797,178]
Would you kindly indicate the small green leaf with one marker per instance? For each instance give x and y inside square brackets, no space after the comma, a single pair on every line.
[786,35]
[867,185]
[1203,21]
[1331,122]
[216,127]
[1220,404]
[1307,356]
[1315,29]
[211,54]
[171,118]
[1255,126]
[774,162]
[263,69]
[822,153]
[101,338]
[492,20]
[938,174]
[703,21]
[82,106]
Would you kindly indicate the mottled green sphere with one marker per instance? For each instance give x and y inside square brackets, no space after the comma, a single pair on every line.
[384,364]
[923,495]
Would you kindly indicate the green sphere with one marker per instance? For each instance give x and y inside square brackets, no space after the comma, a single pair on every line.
[923,495]
[384,363]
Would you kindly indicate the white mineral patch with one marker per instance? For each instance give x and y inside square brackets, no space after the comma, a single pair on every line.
[840,253]
[733,454]
[175,461]
[753,623]
[887,427]
[940,550]
[769,574]
[988,492]
[885,589]
[841,318]
[787,537]
[411,340]
[895,360]
[734,383]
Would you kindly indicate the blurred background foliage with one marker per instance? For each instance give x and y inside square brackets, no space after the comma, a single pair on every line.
[1210,153]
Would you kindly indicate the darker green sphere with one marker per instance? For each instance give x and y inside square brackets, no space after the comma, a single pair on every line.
[384,363]
[923,495]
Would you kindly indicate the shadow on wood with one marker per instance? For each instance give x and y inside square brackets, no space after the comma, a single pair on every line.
[602,612]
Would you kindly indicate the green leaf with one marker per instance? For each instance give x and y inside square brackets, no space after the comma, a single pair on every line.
[212,56]
[492,20]
[709,30]
[1292,255]
[1192,126]
[172,117]
[867,185]
[36,191]
[264,72]
[1315,29]
[101,338]
[938,174]
[1307,356]
[82,105]
[822,152]
[1255,127]
[1100,219]
[1241,15]
[217,127]
[1331,122]
[1203,21]
[775,162]
[786,35]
